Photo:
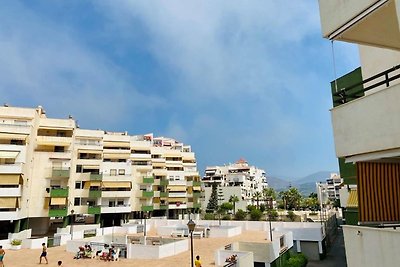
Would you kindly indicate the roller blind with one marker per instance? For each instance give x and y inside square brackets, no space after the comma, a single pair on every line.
[58,201]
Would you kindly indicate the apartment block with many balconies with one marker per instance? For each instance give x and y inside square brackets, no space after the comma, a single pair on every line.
[239,179]
[50,168]
[366,126]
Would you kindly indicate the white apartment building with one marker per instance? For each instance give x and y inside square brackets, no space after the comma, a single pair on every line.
[50,168]
[329,190]
[239,179]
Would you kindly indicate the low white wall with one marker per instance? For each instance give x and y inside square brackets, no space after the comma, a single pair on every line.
[245,258]
[225,232]
[371,247]
[61,239]
[34,242]
[5,243]
[21,235]
[138,251]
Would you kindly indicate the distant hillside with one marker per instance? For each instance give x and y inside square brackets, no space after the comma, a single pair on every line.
[313,178]
[277,183]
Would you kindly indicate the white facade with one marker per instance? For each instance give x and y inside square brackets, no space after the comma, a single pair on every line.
[329,190]
[239,179]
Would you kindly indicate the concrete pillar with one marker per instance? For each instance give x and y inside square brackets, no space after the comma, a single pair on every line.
[66,221]
[97,218]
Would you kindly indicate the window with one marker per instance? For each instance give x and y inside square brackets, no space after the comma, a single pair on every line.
[120,203]
[121,172]
[77,201]
[113,172]
[78,185]
[111,204]
[78,168]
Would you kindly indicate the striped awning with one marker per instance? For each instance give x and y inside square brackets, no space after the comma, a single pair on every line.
[90,151]
[116,184]
[58,201]
[177,199]
[116,144]
[177,188]
[116,155]
[12,136]
[352,201]
[10,179]
[9,202]
[196,188]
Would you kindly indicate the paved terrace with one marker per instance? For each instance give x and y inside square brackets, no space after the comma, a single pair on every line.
[204,247]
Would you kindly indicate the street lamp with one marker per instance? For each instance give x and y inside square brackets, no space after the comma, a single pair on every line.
[72,224]
[145,217]
[269,217]
[191,225]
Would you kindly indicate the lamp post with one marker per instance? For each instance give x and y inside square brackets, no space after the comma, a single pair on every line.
[191,225]
[269,218]
[145,217]
[72,224]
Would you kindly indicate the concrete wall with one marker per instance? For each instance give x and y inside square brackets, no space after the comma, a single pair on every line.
[368,124]
[310,249]
[371,247]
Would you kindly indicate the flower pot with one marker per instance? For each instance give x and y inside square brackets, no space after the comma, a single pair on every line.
[15,247]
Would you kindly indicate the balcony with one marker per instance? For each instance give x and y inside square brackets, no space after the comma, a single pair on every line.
[11,191]
[116,194]
[147,194]
[94,210]
[60,173]
[59,192]
[53,140]
[94,193]
[370,22]
[9,215]
[368,123]
[196,183]
[11,168]
[147,208]
[96,177]
[58,212]
[148,180]
[117,209]
[163,194]
[163,207]
[15,129]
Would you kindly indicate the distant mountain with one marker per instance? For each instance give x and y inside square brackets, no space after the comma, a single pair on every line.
[320,176]
[277,183]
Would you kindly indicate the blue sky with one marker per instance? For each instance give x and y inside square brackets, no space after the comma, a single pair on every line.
[234,79]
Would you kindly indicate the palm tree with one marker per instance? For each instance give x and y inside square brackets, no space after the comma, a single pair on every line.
[233,199]
[269,195]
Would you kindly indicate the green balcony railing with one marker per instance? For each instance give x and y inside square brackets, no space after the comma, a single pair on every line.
[163,207]
[58,212]
[147,208]
[196,205]
[196,183]
[147,194]
[60,173]
[148,180]
[94,209]
[96,177]
[196,194]
[94,193]
[164,182]
[163,194]
[59,192]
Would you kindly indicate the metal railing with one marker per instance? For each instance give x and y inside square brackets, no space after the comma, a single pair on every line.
[348,94]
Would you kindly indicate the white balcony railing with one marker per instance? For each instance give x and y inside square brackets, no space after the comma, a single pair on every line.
[11,168]
[118,209]
[116,194]
[9,215]
[11,192]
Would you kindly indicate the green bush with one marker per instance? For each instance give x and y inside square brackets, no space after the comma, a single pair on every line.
[255,215]
[16,242]
[291,215]
[297,260]
[226,217]
[209,216]
[273,215]
[240,215]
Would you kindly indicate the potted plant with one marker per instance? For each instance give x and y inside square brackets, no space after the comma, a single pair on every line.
[16,244]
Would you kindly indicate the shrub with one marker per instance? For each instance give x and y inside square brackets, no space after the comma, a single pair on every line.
[16,242]
[209,216]
[255,215]
[263,207]
[291,215]
[226,217]
[273,215]
[240,215]
[297,260]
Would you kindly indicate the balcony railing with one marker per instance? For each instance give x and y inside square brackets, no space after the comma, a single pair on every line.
[59,192]
[94,193]
[96,177]
[147,194]
[60,173]
[58,212]
[163,194]
[355,91]
[94,210]
[148,180]
[147,208]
